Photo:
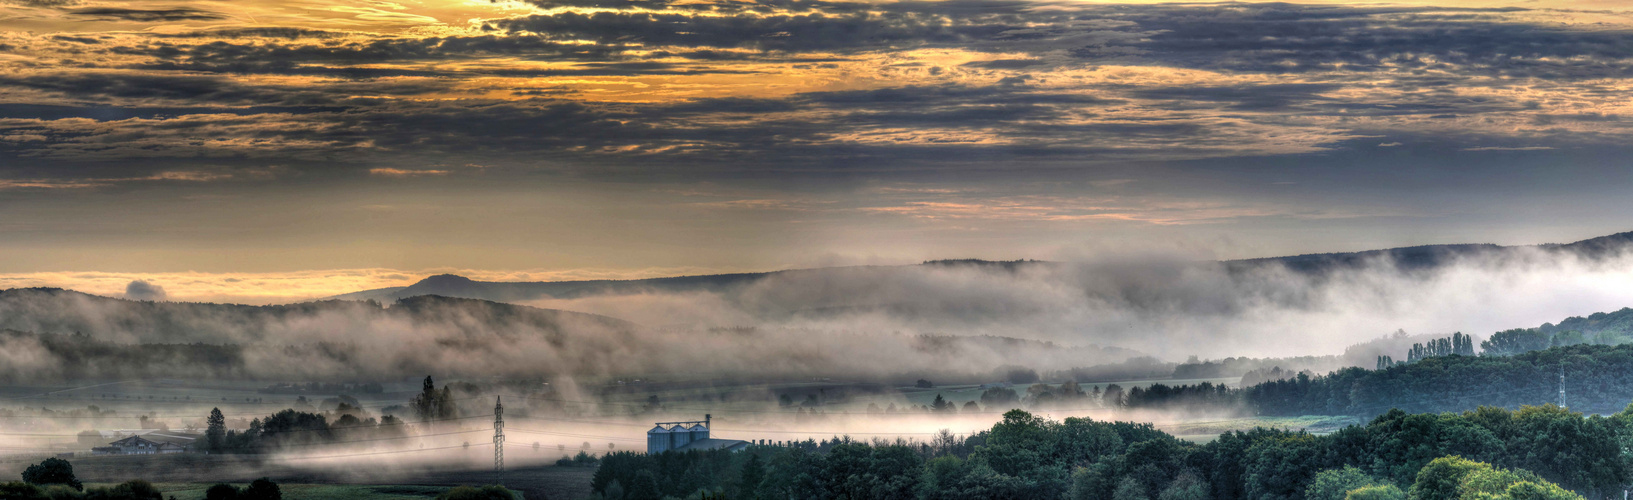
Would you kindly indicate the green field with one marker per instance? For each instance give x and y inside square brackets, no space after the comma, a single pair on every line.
[1319,424]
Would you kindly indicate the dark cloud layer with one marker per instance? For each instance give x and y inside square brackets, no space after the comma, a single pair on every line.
[1220,81]
[145,15]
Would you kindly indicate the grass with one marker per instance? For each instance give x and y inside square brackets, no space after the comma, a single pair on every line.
[1318,424]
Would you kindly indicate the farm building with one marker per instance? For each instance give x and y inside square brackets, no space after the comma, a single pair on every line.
[148,443]
[686,436]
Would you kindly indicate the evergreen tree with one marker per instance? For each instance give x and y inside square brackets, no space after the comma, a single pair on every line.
[753,473]
[216,432]
[425,404]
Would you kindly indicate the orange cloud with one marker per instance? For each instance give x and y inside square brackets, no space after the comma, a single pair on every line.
[398,172]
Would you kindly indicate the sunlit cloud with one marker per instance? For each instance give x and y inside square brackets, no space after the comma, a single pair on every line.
[297,286]
[398,172]
[888,115]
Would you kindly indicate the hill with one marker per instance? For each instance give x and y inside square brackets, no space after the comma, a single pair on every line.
[55,334]
[1415,258]
[55,310]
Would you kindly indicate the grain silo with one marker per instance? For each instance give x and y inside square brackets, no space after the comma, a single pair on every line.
[657,439]
[688,436]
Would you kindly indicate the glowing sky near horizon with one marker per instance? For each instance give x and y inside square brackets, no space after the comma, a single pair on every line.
[269,142]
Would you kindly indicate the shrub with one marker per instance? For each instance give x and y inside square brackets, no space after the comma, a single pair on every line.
[261,489]
[221,492]
[135,489]
[489,492]
[52,471]
[20,491]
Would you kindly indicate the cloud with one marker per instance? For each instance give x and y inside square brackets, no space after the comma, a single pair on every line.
[86,183]
[1245,97]
[127,85]
[142,290]
[398,172]
[802,33]
[146,15]
[300,286]
[1509,148]
[942,85]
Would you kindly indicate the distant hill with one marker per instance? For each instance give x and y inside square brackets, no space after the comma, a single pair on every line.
[55,310]
[56,334]
[449,285]
[1405,259]
[1431,256]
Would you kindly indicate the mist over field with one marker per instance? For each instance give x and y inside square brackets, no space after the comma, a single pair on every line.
[1168,307]
[952,318]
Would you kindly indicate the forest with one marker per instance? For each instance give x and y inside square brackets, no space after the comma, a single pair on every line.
[1596,379]
[1535,452]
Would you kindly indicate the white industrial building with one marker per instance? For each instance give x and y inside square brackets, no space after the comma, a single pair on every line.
[687,436]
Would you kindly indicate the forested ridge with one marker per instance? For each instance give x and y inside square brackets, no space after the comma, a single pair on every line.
[1597,379]
[1535,452]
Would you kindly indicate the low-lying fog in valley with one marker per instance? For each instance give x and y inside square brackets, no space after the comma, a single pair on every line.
[913,353]
[860,323]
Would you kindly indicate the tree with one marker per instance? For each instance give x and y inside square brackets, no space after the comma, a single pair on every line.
[644,487]
[1516,341]
[221,492]
[1442,478]
[261,489]
[1454,477]
[1376,492]
[1130,489]
[1113,397]
[941,405]
[1002,397]
[1335,484]
[1518,484]
[753,473]
[425,404]
[52,471]
[290,426]
[1280,468]
[1186,487]
[216,431]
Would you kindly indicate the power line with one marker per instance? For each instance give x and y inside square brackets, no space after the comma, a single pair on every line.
[388,452]
[575,435]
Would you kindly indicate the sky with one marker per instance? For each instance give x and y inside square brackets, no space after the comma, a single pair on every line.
[258,151]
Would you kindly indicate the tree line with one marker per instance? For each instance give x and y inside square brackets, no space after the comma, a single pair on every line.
[1536,452]
[291,428]
[54,479]
[1597,379]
